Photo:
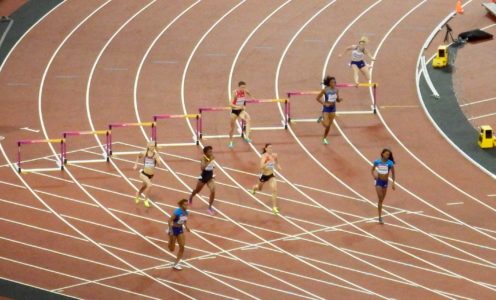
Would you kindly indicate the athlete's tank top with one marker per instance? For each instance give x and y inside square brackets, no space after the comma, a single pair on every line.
[149,161]
[239,98]
[330,95]
[357,54]
[210,166]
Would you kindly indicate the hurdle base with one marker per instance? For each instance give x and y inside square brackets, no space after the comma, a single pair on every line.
[179,144]
[37,170]
[220,136]
[268,128]
[88,161]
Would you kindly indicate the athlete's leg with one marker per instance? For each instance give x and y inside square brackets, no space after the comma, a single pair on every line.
[198,188]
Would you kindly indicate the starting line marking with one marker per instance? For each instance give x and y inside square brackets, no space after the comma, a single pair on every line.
[454,203]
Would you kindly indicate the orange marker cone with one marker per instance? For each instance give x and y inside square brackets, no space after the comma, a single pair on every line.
[459,8]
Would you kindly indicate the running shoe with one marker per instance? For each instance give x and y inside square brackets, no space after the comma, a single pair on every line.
[275,210]
[381,221]
[325,141]
[147,203]
[177,267]
[231,144]
[319,119]
[253,191]
[211,211]
[248,140]
[137,200]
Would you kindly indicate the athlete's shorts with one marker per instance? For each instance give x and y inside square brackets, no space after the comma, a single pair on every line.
[360,64]
[147,175]
[381,183]
[265,178]
[176,230]
[236,111]
[329,109]
[206,176]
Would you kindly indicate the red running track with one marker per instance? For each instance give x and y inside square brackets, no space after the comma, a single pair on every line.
[91,63]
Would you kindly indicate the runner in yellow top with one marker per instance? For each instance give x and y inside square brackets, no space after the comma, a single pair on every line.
[151,160]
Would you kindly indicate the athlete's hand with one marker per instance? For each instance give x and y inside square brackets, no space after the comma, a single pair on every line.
[187,229]
[393,186]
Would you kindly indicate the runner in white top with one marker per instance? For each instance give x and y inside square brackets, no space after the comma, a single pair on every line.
[268,163]
[357,63]
[150,160]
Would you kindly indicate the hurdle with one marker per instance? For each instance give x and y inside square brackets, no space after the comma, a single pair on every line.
[124,125]
[373,107]
[284,122]
[201,111]
[196,139]
[29,142]
[68,134]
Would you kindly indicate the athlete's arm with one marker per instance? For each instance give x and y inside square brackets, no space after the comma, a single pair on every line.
[372,171]
[319,97]
[393,175]
[233,99]
[338,99]
[347,49]
[277,162]
[367,52]
[138,157]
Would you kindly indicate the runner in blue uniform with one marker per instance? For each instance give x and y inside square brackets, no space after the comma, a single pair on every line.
[177,221]
[328,97]
[207,177]
[380,171]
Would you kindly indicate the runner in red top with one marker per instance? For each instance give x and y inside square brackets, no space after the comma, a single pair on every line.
[239,96]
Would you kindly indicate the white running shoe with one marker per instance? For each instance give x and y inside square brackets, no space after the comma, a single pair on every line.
[177,267]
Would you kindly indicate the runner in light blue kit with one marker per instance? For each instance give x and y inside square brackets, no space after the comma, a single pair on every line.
[177,220]
[380,171]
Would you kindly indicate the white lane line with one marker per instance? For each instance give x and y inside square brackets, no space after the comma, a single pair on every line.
[481,116]
[361,154]
[298,185]
[310,155]
[325,169]
[262,286]
[86,281]
[220,212]
[98,141]
[258,210]
[44,249]
[244,247]
[478,102]
[249,194]
[454,203]
[40,112]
